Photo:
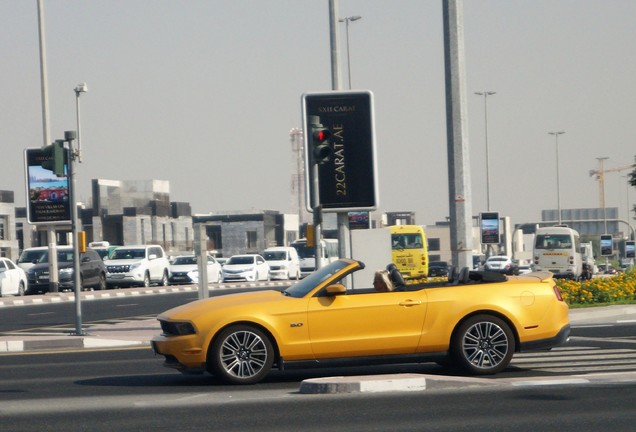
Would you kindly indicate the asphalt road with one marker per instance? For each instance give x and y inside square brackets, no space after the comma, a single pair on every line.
[130,390]
[127,390]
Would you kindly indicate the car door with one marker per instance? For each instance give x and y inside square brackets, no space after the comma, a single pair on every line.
[262,268]
[374,323]
[214,270]
[10,278]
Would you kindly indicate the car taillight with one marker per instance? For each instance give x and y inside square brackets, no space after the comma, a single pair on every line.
[557,293]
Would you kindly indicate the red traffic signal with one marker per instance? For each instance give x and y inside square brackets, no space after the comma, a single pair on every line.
[320,144]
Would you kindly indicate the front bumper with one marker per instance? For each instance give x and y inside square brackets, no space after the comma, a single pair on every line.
[182,353]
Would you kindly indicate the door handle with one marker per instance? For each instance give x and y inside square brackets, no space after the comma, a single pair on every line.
[410,303]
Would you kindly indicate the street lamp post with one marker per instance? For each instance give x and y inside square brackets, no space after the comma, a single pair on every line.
[556,137]
[81,88]
[346,21]
[485,94]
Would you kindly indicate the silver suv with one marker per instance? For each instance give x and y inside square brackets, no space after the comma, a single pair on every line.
[137,266]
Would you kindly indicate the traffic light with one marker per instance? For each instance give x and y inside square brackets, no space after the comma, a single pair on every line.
[321,147]
[54,158]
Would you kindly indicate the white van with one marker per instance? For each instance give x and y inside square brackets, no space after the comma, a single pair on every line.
[283,262]
[557,249]
[307,255]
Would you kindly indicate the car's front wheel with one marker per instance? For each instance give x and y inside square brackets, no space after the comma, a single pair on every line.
[101,284]
[483,344]
[146,282]
[241,354]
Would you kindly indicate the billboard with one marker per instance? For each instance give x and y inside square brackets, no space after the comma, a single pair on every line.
[347,176]
[630,249]
[606,245]
[48,196]
[489,227]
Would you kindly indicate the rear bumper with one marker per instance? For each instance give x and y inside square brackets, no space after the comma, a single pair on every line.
[560,338]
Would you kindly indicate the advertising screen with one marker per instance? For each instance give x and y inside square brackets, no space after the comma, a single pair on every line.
[630,251]
[489,227]
[48,196]
[606,245]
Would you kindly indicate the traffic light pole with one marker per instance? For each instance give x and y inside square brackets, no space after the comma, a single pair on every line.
[314,122]
[70,136]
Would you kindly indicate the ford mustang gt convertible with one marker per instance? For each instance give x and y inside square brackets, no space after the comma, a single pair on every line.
[475,321]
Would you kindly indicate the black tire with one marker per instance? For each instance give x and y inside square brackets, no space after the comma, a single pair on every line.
[164,279]
[146,282]
[101,284]
[21,289]
[241,354]
[482,345]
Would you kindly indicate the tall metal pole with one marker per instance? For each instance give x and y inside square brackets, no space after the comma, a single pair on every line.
[81,88]
[485,94]
[556,137]
[70,136]
[346,21]
[460,197]
[46,135]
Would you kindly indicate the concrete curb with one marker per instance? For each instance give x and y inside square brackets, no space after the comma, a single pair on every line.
[388,383]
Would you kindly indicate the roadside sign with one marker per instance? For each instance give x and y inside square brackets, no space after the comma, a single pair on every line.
[347,178]
[489,227]
[606,245]
[48,196]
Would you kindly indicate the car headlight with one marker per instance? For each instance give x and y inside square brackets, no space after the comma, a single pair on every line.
[177,328]
[133,266]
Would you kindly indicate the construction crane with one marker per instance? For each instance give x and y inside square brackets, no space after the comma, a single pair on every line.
[599,174]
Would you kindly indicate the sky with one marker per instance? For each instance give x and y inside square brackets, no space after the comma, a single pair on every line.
[204,94]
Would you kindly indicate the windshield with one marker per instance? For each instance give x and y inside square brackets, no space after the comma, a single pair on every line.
[42,256]
[406,241]
[553,241]
[301,288]
[122,254]
[275,255]
[304,251]
[185,260]
[29,256]
[241,259]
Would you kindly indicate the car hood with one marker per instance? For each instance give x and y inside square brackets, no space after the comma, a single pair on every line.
[191,311]
[45,266]
[238,266]
[183,267]
[122,262]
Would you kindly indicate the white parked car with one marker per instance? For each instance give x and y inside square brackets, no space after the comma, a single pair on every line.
[138,265]
[500,264]
[13,280]
[283,262]
[248,267]
[185,270]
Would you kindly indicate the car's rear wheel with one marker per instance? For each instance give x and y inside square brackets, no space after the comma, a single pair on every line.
[164,278]
[483,344]
[241,354]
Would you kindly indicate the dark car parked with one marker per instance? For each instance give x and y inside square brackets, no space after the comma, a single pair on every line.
[437,268]
[92,271]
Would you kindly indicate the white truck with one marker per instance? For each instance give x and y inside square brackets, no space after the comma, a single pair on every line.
[557,249]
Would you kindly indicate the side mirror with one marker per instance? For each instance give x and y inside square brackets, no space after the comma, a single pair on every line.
[336,289]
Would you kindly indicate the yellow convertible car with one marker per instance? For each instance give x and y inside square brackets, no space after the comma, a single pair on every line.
[474,321]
